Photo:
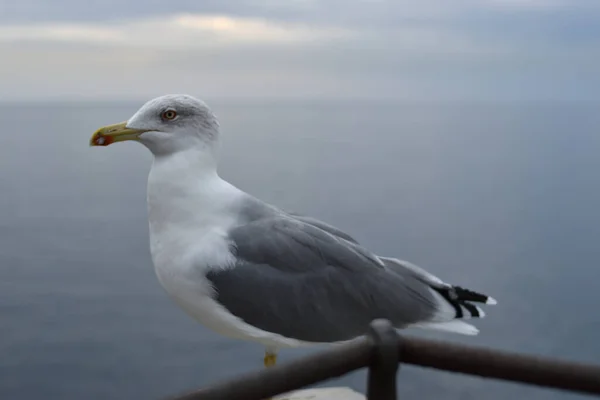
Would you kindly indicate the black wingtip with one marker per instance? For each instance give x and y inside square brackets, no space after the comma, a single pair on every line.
[470,295]
[461,298]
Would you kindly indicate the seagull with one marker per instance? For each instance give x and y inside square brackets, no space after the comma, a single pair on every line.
[251,271]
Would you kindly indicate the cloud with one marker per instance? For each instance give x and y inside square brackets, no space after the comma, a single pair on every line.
[431,49]
[526,4]
[175,31]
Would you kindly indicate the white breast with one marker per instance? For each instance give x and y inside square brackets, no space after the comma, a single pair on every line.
[189,213]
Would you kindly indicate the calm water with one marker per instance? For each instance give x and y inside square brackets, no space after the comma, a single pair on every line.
[501,199]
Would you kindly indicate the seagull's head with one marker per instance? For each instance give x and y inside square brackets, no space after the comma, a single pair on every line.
[165,125]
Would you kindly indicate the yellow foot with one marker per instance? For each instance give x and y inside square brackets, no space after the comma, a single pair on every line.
[270,359]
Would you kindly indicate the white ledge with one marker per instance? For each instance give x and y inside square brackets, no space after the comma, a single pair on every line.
[331,393]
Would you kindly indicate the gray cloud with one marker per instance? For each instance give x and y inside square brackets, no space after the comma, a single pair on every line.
[433,49]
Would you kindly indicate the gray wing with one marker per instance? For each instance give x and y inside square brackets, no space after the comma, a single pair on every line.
[403,267]
[399,266]
[301,282]
[324,226]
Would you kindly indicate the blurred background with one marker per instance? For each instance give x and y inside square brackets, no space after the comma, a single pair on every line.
[462,136]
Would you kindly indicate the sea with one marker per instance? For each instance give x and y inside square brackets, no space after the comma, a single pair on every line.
[501,198]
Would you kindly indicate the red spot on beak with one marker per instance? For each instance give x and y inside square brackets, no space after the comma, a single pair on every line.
[101,140]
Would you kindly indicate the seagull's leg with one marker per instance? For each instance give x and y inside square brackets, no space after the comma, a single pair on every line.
[270,360]
[270,357]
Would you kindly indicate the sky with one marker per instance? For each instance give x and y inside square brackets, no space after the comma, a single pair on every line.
[420,50]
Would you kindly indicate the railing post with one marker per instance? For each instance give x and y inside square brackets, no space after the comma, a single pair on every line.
[384,361]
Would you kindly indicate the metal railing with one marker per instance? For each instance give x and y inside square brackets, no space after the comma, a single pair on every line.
[382,350]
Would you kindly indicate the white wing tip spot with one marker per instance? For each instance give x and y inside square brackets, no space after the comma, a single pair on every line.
[481,312]
[491,301]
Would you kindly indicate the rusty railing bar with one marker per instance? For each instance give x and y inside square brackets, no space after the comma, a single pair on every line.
[381,381]
[503,365]
[262,384]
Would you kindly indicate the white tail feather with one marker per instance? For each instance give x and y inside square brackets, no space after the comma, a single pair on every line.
[450,326]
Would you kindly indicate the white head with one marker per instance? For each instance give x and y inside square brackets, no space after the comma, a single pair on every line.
[166,125]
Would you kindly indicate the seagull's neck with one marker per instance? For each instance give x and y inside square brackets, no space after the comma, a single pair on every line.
[185,193]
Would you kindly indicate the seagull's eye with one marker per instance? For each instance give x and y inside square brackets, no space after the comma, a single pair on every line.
[168,115]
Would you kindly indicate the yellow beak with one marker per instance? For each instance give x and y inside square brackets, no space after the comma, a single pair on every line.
[114,133]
